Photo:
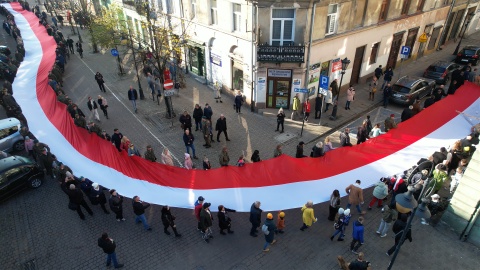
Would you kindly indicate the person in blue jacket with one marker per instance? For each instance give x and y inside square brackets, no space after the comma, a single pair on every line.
[357,235]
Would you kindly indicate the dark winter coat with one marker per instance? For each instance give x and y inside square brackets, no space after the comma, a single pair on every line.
[221,124]
[188,139]
[132,95]
[75,196]
[318,104]
[197,114]
[115,203]
[406,114]
[205,219]
[387,76]
[139,207]
[271,228]
[90,107]
[186,121]
[398,228]
[167,218]
[255,215]
[207,112]
[224,221]
[238,100]
[107,245]
[97,196]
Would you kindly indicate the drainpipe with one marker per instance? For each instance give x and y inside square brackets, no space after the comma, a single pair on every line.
[254,55]
[446,20]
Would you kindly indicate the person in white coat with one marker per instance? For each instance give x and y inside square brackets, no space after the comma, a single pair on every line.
[328,98]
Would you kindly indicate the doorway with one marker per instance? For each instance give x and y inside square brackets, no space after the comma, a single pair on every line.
[357,64]
[422,46]
[411,38]
[395,49]
[279,85]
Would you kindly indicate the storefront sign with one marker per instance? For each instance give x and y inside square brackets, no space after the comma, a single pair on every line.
[313,76]
[215,59]
[297,83]
[336,65]
[261,83]
[282,73]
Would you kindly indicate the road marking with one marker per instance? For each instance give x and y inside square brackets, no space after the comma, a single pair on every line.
[133,114]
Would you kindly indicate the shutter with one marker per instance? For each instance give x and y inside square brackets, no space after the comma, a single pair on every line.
[332,20]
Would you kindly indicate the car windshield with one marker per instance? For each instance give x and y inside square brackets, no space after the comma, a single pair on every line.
[401,89]
[468,52]
[436,69]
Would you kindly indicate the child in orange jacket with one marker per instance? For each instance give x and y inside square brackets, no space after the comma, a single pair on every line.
[280,222]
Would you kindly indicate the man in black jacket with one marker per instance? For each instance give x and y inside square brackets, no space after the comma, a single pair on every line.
[255,218]
[108,246]
[76,198]
[117,139]
[318,106]
[398,228]
[197,115]
[139,210]
[115,201]
[133,96]
[100,82]
[221,126]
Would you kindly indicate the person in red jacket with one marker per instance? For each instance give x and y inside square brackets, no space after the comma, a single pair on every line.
[306,110]
[198,208]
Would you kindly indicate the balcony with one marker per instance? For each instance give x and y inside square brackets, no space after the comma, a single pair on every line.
[280,54]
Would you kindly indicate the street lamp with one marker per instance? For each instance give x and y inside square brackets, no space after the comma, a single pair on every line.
[406,201]
[345,63]
[467,21]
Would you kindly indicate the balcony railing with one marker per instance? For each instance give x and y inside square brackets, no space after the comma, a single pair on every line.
[281,54]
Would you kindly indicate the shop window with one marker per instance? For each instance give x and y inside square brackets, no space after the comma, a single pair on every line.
[282,27]
[374,53]
[331,19]
[237,76]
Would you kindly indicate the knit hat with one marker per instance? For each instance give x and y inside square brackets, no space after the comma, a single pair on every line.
[341,211]
[435,197]
[72,186]
[96,186]
[347,212]
[282,214]
[206,205]
[269,216]
[201,199]
[27,138]
[392,115]
[187,155]
[68,174]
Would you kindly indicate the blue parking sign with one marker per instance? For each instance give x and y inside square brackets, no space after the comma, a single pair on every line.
[405,50]
[324,81]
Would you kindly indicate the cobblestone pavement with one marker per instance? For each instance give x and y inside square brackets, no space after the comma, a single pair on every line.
[42,232]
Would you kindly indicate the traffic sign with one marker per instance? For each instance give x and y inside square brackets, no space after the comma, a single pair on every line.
[114,52]
[323,82]
[322,91]
[168,84]
[405,50]
[300,90]
[423,38]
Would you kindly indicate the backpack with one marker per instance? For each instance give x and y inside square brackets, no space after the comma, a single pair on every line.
[265,229]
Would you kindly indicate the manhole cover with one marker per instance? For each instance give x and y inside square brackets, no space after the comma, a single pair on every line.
[285,137]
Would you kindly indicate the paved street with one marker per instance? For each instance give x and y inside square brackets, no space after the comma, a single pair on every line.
[40,232]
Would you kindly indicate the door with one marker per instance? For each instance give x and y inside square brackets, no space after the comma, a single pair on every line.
[278,93]
[411,38]
[422,46]
[433,38]
[357,64]
[456,28]
[394,50]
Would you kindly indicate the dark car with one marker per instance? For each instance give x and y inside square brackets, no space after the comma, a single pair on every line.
[409,88]
[468,54]
[440,71]
[18,173]
[5,50]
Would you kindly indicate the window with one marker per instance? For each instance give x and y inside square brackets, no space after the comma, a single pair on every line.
[170,6]
[213,11]
[193,12]
[421,3]
[282,27]
[374,53]
[160,4]
[405,7]
[383,10]
[237,17]
[331,19]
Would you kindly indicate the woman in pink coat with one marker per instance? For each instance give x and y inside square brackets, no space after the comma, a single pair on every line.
[350,96]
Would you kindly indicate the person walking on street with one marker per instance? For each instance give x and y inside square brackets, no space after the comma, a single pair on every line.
[224,221]
[139,210]
[198,208]
[335,90]
[117,139]
[70,45]
[109,246]
[116,204]
[299,153]
[188,139]
[206,222]
[167,158]
[387,76]
[372,89]
[378,72]
[387,92]
[133,96]
[328,99]
[358,264]
[186,121]
[168,220]
[269,232]
[341,224]
[223,158]
[308,216]
[350,96]
[217,92]
[100,81]
[151,84]
[97,196]
[306,110]
[238,102]
[206,131]
[390,123]
[398,228]
[318,106]
[335,202]
[389,215]
[221,126]
[76,199]
[355,196]
[255,218]
[280,119]
[149,154]
[357,235]
[380,192]
[295,107]
[188,163]
[92,106]
[207,111]
[79,49]
[345,138]
[197,115]
[103,105]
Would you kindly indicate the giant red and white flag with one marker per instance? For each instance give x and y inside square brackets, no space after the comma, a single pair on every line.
[279,183]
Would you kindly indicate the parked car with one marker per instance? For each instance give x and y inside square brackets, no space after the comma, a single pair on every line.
[5,50]
[10,137]
[409,88]
[469,54]
[440,71]
[18,173]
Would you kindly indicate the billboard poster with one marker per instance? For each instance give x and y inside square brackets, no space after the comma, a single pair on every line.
[313,79]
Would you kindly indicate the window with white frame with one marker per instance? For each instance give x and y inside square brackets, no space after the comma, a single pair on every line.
[331,19]
[194,9]
[213,11]
[237,17]
[282,27]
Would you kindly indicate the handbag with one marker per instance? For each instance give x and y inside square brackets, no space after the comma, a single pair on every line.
[374,89]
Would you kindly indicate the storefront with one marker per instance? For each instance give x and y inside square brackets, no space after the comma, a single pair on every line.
[279,84]
[196,58]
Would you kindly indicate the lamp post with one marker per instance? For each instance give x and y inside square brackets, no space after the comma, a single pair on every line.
[467,21]
[406,202]
[345,63]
